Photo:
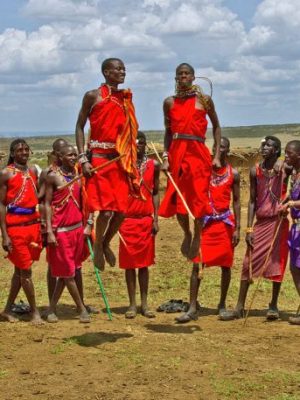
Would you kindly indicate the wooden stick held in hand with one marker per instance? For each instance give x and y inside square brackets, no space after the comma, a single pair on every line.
[174,184]
[93,170]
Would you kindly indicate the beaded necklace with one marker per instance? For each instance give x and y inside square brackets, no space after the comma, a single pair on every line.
[192,91]
[269,174]
[111,97]
[67,176]
[217,179]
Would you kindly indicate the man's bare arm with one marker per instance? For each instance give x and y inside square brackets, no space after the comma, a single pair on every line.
[236,206]
[155,196]
[6,243]
[216,129]
[88,101]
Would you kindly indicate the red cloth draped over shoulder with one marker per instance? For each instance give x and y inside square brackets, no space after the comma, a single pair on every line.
[190,161]
[21,192]
[136,229]
[113,120]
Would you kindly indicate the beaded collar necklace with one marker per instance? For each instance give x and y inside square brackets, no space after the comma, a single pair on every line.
[221,178]
[111,97]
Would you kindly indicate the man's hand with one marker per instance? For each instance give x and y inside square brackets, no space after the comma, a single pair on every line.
[155,227]
[250,239]
[165,165]
[236,237]
[216,163]
[51,239]
[7,244]
[283,209]
[87,169]
[87,231]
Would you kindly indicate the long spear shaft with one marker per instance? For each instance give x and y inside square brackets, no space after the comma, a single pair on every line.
[99,280]
[92,170]
[174,184]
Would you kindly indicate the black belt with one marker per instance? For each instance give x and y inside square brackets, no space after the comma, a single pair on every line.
[108,156]
[186,136]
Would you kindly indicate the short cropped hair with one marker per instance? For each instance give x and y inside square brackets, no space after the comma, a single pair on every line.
[295,144]
[185,65]
[106,63]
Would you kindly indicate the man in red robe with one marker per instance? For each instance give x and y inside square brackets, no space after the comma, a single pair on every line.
[20,225]
[268,186]
[186,156]
[221,231]
[65,227]
[113,133]
[138,231]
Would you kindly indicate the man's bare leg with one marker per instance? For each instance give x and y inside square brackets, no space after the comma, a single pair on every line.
[73,290]
[27,285]
[195,244]
[192,314]
[296,278]
[79,283]
[101,227]
[13,293]
[51,282]
[225,282]
[130,276]
[113,228]
[183,220]
[273,313]
[143,275]
[238,312]
[59,287]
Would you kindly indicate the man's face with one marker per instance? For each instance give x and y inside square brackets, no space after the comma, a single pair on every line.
[268,148]
[21,153]
[141,145]
[291,156]
[224,149]
[68,157]
[184,76]
[115,73]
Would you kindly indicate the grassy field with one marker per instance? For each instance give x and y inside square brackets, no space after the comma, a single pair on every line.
[145,359]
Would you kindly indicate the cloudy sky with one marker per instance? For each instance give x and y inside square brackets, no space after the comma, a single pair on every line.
[51,52]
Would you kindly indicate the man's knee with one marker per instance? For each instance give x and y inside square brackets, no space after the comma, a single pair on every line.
[25,275]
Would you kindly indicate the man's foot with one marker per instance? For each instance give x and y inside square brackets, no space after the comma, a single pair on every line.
[109,256]
[92,310]
[186,244]
[195,248]
[36,319]
[52,318]
[221,311]
[272,313]
[99,260]
[84,317]
[294,320]
[6,316]
[187,317]
[231,315]
[148,313]
[131,313]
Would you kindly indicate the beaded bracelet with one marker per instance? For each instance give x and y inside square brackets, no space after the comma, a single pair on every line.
[249,229]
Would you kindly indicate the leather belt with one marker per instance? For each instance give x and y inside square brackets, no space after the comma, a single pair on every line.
[108,156]
[185,136]
[68,228]
[27,223]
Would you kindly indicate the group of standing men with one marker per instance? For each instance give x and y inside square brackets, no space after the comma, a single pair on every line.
[121,184]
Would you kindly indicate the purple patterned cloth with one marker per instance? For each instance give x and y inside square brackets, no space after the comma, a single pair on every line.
[294,235]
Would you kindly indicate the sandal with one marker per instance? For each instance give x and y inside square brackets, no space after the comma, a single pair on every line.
[84,318]
[130,314]
[187,317]
[52,318]
[272,313]
[148,313]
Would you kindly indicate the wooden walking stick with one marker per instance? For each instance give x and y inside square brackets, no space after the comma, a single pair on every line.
[174,184]
[263,268]
[92,170]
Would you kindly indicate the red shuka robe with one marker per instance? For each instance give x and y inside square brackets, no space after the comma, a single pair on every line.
[136,229]
[107,189]
[26,239]
[216,239]
[190,161]
[270,191]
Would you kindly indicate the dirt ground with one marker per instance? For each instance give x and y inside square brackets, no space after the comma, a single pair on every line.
[153,359]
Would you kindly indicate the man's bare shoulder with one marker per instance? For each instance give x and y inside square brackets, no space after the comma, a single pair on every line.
[5,174]
[169,100]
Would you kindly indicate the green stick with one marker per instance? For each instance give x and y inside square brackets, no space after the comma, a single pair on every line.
[99,281]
